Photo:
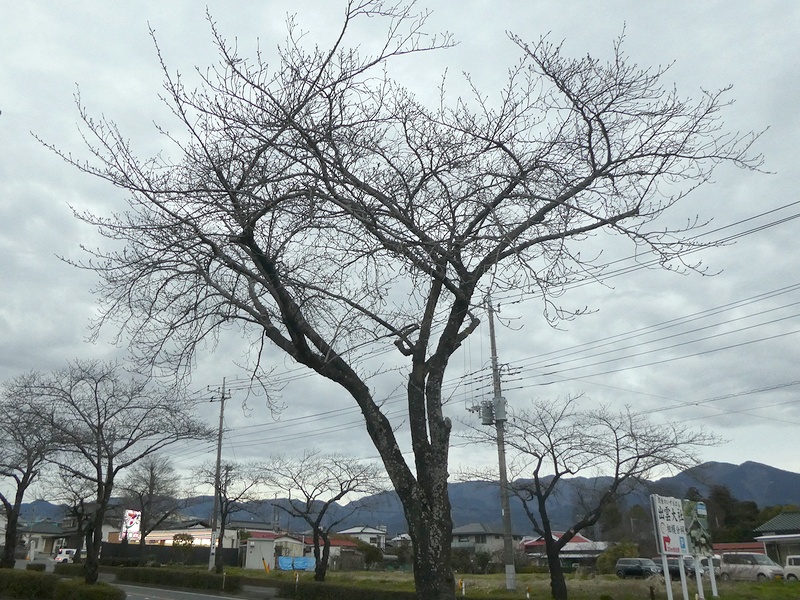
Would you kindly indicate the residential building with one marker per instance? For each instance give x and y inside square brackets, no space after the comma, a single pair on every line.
[780,536]
[261,548]
[482,537]
[370,535]
[43,538]
[198,529]
[579,550]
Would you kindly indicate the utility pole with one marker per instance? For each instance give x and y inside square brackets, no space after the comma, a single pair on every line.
[212,556]
[499,414]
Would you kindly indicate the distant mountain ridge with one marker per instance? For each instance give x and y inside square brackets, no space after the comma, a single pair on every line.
[478,502]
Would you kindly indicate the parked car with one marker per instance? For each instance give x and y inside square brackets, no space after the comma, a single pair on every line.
[674,566]
[636,567]
[748,565]
[792,567]
[65,555]
[714,561]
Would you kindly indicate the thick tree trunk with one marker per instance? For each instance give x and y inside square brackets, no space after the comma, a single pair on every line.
[91,566]
[321,556]
[431,532]
[12,517]
[142,550]
[8,559]
[558,585]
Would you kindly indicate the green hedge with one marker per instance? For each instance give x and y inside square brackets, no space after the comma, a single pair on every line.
[315,590]
[26,584]
[35,567]
[32,585]
[182,578]
[75,589]
[68,569]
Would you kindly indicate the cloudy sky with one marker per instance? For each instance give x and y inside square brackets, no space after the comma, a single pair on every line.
[719,351]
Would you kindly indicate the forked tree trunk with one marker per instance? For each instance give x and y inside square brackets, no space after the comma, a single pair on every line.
[322,556]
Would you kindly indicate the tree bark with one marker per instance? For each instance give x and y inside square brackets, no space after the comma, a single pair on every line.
[321,566]
[8,559]
[431,534]
[558,585]
[91,566]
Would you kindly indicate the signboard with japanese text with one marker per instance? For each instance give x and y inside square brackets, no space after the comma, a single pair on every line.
[671,535]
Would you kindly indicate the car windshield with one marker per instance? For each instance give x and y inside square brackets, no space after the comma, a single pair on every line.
[763,559]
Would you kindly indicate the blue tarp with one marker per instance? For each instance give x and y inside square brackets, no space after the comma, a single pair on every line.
[295,563]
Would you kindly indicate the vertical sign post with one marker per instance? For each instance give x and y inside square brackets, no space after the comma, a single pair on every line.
[671,536]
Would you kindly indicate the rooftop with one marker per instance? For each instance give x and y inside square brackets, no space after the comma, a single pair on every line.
[786,522]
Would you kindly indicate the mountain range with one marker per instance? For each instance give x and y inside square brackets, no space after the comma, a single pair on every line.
[478,502]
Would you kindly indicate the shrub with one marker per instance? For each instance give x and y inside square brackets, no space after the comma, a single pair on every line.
[26,584]
[113,561]
[68,569]
[74,589]
[608,559]
[35,567]
[182,578]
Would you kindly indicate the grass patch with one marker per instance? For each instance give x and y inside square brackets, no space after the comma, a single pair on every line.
[492,587]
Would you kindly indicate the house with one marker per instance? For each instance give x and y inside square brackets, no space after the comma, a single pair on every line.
[780,535]
[261,548]
[343,552]
[370,535]
[43,538]
[198,529]
[70,528]
[579,549]
[481,537]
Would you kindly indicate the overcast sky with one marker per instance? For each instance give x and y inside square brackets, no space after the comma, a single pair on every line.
[717,351]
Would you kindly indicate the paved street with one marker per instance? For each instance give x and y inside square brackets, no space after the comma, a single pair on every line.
[136,592]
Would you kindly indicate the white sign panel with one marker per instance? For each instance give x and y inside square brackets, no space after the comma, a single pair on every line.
[671,534]
[131,522]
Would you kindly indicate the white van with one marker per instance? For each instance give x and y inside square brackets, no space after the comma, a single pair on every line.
[748,565]
[65,555]
[792,567]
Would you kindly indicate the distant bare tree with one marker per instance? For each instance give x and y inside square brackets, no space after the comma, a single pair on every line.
[554,440]
[26,442]
[314,483]
[152,486]
[319,205]
[78,494]
[105,423]
[239,484]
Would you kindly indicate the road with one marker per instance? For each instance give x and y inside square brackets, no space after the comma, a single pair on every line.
[136,592]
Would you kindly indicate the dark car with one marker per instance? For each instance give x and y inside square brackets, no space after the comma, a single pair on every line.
[674,567]
[636,567]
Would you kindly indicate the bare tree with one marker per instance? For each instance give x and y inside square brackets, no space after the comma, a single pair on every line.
[152,487]
[555,440]
[26,442]
[105,423]
[321,481]
[239,484]
[319,205]
[78,494]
